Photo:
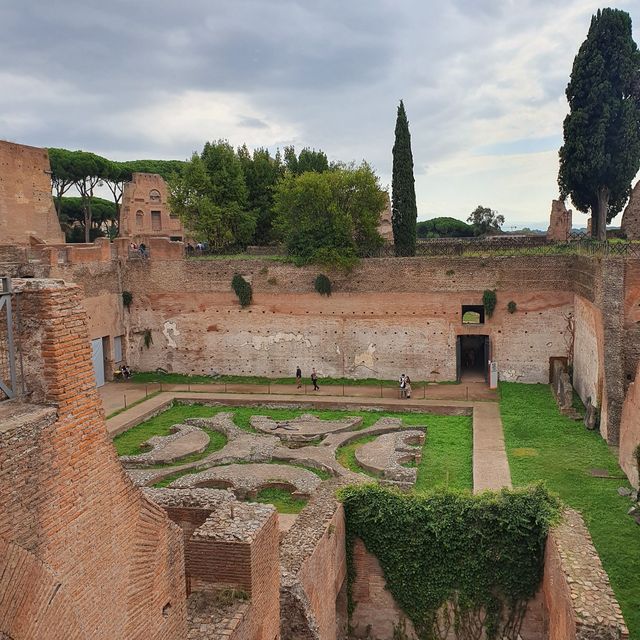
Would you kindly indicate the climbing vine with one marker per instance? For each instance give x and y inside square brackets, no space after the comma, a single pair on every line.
[127,299]
[242,289]
[489,300]
[512,306]
[482,555]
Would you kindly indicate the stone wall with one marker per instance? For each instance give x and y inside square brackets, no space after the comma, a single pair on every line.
[145,209]
[83,553]
[630,430]
[313,563]
[579,601]
[559,222]
[631,216]
[26,205]
[199,327]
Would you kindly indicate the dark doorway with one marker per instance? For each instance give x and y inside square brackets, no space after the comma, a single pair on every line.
[472,358]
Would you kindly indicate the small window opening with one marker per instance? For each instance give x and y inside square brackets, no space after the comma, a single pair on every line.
[472,314]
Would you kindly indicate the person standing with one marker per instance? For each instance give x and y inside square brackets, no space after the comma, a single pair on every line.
[407,387]
[299,377]
[403,388]
[314,379]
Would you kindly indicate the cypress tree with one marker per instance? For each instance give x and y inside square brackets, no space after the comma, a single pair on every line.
[601,151]
[404,211]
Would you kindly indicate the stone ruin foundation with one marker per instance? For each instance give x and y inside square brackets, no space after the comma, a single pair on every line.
[85,554]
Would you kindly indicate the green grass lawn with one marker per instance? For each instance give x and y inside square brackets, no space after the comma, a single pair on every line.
[544,445]
[150,377]
[128,443]
[282,500]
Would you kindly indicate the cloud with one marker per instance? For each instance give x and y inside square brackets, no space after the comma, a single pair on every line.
[483,83]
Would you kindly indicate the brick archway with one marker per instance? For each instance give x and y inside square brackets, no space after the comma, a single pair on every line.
[35,604]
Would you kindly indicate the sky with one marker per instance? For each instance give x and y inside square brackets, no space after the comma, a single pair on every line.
[483,84]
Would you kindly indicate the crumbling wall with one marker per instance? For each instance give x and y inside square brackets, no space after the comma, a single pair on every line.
[631,216]
[579,600]
[313,564]
[26,205]
[145,195]
[385,317]
[630,431]
[101,561]
[559,222]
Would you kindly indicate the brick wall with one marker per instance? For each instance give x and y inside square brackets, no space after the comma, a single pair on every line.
[198,325]
[26,205]
[113,559]
[630,431]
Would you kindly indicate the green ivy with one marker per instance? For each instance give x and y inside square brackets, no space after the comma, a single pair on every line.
[489,300]
[323,285]
[242,289]
[127,299]
[147,338]
[483,554]
[512,306]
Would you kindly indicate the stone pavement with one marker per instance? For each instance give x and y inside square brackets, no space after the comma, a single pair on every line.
[490,465]
[115,395]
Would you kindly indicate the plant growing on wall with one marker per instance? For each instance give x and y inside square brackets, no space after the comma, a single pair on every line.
[127,299]
[147,338]
[512,306]
[242,289]
[323,285]
[481,554]
[489,300]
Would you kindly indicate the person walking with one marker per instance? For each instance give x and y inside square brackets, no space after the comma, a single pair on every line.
[403,388]
[314,379]
[299,377]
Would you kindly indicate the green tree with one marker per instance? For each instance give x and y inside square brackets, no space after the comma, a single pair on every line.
[72,219]
[485,221]
[307,160]
[443,228]
[601,150]
[62,174]
[332,217]
[261,173]
[404,211]
[211,198]
[116,175]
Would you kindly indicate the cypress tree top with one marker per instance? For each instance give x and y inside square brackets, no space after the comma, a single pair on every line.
[404,210]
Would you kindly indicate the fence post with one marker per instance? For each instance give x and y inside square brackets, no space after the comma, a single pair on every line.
[124,395]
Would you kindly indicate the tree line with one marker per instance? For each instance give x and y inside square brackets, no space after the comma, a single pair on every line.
[86,171]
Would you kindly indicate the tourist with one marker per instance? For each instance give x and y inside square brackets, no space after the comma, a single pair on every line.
[143,249]
[126,372]
[299,377]
[133,247]
[403,388]
[314,379]
[407,387]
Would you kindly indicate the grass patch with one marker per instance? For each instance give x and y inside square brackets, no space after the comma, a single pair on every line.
[282,500]
[447,455]
[132,404]
[566,452]
[152,377]
[166,481]
[128,443]
[346,455]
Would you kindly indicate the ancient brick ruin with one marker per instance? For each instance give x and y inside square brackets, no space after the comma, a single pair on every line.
[631,216]
[560,222]
[89,550]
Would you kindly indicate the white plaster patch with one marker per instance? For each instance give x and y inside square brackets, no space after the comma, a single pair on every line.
[509,375]
[365,358]
[260,343]
[168,329]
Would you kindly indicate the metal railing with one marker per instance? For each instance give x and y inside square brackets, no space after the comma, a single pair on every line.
[8,378]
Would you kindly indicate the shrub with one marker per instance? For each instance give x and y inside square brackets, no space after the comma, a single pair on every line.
[323,285]
[511,307]
[489,300]
[148,338]
[127,299]
[483,554]
[242,289]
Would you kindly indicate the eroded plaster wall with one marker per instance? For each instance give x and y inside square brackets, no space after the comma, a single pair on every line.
[386,317]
